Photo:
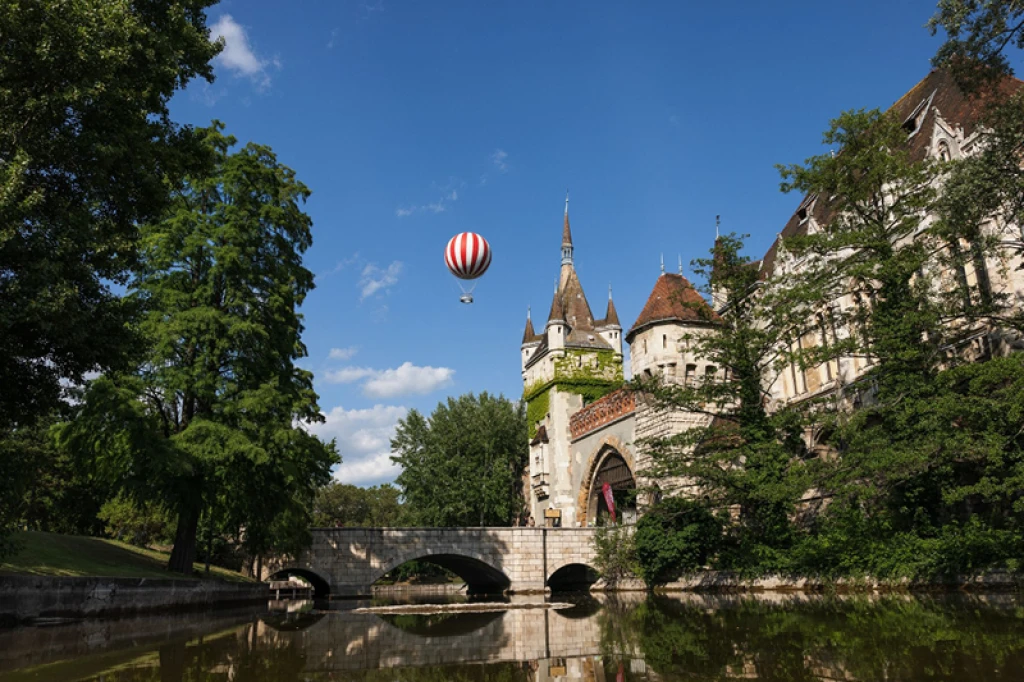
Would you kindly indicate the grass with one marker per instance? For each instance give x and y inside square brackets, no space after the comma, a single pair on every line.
[74,555]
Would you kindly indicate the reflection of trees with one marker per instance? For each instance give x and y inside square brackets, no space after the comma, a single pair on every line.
[441,624]
[896,639]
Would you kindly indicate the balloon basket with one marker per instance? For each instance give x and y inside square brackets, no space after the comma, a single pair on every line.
[466,298]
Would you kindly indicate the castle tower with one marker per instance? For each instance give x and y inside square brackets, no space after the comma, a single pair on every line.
[574,361]
[660,345]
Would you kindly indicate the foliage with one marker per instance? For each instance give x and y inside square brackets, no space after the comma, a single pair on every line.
[978,32]
[675,537]
[342,504]
[464,466]
[537,407]
[207,421]
[139,523]
[615,553]
[88,146]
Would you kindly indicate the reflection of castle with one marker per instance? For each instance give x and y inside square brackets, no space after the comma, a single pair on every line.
[584,426]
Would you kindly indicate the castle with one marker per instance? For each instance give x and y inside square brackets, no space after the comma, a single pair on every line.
[584,424]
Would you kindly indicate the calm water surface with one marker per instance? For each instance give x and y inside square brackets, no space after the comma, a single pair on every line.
[601,639]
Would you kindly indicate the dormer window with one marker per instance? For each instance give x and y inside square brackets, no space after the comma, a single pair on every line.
[802,215]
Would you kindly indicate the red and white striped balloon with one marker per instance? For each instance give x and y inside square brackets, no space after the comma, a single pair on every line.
[468,255]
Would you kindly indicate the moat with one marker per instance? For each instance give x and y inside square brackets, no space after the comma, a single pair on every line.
[624,637]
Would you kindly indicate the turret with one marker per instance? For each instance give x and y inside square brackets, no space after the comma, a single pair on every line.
[609,328]
[657,340]
[556,328]
[531,341]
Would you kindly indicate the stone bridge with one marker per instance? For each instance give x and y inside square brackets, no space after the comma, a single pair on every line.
[345,562]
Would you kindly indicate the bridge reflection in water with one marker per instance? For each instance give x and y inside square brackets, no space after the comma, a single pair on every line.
[631,637]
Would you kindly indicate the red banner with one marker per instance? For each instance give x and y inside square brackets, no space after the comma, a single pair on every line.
[606,490]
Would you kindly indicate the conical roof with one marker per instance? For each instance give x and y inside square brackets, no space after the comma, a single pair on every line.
[557,311]
[673,300]
[529,336]
[611,316]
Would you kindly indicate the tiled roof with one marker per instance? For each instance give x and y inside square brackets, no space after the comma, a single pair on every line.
[611,317]
[529,336]
[566,232]
[673,299]
[557,312]
[935,93]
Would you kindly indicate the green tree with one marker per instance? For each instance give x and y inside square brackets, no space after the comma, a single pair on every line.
[743,456]
[464,466]
[87,146]
[207,422]
[343,504]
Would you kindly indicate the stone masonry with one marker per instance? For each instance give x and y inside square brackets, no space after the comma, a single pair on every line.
[347,561]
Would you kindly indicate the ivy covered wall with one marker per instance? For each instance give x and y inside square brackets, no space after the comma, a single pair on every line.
[591,374]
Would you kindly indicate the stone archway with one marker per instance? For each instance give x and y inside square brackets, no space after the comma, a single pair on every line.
[614,468]
[479,575]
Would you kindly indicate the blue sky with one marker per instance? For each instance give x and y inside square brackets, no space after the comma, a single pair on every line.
[413,121]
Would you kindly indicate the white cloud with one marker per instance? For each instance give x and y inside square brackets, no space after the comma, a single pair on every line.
[375,279]
[408,379]
[403,212]
[372,470]
[364,441]
[334,35]
[347,375]
[237,55]
[499,159]
[343,353]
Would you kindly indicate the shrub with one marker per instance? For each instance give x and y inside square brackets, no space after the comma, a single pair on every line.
[675,537]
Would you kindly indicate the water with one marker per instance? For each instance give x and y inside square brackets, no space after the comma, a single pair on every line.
[625,637]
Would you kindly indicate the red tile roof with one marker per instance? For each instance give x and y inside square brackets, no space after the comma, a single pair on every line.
[673,299]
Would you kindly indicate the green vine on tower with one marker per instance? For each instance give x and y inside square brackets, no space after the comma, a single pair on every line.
[590,374]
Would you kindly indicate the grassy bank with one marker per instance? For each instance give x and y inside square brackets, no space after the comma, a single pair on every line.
[72,555]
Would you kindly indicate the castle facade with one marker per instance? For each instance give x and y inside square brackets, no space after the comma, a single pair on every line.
[585,425]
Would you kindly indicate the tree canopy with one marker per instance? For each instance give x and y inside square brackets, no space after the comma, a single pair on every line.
[464,466]
[88,148]
[206,421]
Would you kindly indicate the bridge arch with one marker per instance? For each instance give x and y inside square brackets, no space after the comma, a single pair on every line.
[475,569]
[321,583]
[573,577]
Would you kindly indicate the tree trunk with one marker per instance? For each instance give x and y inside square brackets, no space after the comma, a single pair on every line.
[184,553]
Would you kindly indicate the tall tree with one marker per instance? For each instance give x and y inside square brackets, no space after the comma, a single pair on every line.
[86,144]
[208,419]
[464,466]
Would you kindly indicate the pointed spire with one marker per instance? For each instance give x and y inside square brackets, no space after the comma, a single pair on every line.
[663,264]
[611,317]
[566,235]
[528,333]
[557,312]
[680,264]
[718,224]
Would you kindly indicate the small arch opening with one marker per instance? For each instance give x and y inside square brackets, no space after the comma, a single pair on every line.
[573,578]
[321,589]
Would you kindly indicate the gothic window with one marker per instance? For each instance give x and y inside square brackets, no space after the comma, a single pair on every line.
[944,153]
[691,375]
[664,340]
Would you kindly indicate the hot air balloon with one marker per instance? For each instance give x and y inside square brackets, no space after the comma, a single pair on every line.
[468,255]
